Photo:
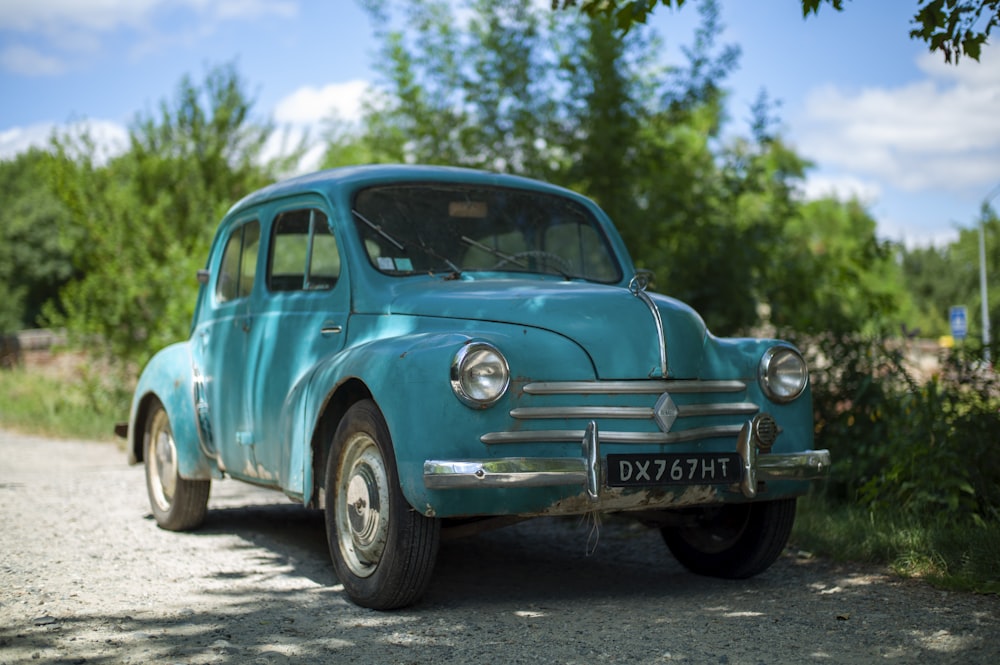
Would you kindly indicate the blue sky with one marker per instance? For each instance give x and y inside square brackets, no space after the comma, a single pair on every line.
[880,117]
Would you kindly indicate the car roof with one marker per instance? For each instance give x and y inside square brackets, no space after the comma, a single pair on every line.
[351,177]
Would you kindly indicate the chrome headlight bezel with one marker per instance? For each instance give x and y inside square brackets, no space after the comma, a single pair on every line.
[782,374]
[479,375]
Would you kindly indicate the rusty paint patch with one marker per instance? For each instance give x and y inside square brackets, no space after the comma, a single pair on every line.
[250,470]
[621,500]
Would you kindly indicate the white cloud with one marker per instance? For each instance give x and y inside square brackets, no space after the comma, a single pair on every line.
[939,132]
[110,138]
[60,30]
[842,187]
[28,61]
[38,16]
[312,105]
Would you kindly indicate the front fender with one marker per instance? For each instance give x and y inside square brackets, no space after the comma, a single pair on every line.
[408,378]
[370,363]
[168,377]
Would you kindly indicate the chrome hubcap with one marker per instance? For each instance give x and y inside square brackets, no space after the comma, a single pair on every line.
[162,461]
[362,505]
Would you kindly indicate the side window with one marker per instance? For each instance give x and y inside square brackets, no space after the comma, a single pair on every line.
[239,263]
[304,254]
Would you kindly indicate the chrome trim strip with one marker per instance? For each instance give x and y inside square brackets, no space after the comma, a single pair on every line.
[632,387]
[631,412]
[728,409]
[573,435]
[658,322]
[505,472]
[805,465]
[558,471]
[622,412]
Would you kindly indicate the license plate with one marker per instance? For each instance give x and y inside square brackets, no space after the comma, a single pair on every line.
[672,469]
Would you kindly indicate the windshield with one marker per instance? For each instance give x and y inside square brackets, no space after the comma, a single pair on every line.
[455,228]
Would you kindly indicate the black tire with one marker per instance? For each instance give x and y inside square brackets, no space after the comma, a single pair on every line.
[734,541]
[178,504]
[383,551]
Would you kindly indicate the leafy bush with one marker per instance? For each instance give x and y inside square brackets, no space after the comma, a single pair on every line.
[923,448]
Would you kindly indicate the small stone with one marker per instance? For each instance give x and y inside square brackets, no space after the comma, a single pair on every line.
[45,621]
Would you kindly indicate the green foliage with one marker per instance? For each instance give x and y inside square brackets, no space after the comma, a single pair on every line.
[925,449]
[940,277]
[837,276]
[956,28]
[953,27]
[147,217]
[623,13]
[35,241]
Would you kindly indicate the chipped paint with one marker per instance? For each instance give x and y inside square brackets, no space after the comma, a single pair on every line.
[251,470]
[618,500]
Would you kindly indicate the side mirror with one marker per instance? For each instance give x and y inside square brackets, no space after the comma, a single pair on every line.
[202,276]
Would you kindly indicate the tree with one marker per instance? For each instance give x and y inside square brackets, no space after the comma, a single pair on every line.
[720,223]
[837,276]
[954,27]
[35,241]
[147,216]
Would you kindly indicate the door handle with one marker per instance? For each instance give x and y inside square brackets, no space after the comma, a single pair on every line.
[330,328]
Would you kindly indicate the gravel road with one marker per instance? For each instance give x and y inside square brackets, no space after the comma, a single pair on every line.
[87,577]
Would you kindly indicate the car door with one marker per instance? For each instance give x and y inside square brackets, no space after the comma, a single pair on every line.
[220,348]
[300,316]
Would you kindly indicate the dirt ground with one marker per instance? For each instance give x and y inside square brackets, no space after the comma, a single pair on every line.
[87,577]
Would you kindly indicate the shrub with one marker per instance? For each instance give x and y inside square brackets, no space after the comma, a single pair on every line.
[926,448]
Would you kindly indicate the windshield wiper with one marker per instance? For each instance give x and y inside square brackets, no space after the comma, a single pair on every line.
[516,259]
[378,229]
[495,252]
[440,257]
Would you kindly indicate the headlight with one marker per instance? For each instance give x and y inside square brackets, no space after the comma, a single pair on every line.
[479,374]
[782,373]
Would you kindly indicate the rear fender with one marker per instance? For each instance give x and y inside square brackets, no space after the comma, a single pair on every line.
[168,377]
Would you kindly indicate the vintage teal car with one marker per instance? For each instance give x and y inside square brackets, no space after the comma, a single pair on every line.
[414,349]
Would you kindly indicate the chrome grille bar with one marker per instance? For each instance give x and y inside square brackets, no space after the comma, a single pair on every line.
[575,435]
[631,387]
[660,409]
[630,412]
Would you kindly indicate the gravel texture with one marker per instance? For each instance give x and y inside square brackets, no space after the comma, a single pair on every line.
[87,577]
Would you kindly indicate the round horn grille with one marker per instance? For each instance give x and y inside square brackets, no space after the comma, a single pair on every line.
[766,430]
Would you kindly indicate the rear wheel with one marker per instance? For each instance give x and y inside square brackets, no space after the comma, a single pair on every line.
[383,551]
[733,541]
[178,504]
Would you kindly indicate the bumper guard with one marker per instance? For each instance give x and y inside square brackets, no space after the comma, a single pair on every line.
[587,471]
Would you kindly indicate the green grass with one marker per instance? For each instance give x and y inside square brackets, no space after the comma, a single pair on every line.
[65,408]
[949,555]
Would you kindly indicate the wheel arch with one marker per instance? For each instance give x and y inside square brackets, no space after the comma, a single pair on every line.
[345,395]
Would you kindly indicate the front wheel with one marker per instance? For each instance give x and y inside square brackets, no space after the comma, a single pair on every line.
[178,504]
[734,541]
[383,551]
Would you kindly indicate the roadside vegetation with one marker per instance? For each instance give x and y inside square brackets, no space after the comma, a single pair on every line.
[106,248]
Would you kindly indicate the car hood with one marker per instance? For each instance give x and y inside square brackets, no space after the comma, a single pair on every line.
[616,328]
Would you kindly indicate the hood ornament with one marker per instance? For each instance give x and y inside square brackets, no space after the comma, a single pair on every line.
[637,287]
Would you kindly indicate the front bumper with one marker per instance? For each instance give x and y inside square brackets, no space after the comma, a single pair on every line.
[587,470]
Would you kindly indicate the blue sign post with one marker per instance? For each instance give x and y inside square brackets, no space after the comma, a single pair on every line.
[959,318]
